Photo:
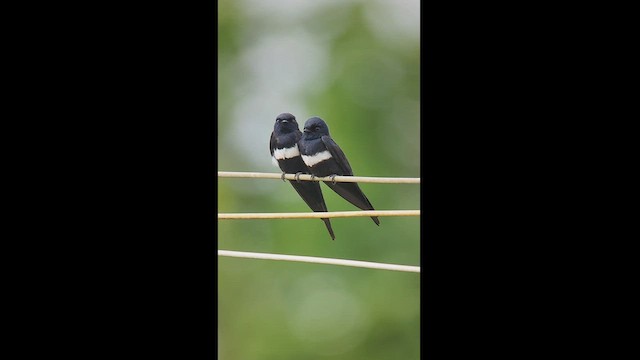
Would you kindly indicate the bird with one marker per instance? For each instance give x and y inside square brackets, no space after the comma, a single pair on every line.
[324,157]
[286,155]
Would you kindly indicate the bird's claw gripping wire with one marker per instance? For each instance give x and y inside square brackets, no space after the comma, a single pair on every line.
[282,177]
[297,176]
[312,177]
[333,179]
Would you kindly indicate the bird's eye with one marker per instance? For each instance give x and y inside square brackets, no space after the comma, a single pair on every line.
[316,128]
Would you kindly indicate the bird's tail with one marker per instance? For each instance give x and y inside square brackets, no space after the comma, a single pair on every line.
[352,193]
[328,224]
[312,195]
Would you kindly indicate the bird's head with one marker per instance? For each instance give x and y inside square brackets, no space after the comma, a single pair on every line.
[315,127]
[285,123]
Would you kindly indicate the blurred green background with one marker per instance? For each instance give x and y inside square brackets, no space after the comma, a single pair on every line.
[356,65]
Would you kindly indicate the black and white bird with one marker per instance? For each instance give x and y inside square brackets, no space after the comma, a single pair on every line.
[286,155]
[324,157]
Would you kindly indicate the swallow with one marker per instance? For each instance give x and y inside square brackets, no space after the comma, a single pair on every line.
[286,155]
[324,157]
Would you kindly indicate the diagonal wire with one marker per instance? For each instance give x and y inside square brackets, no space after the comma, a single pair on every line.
[319,260]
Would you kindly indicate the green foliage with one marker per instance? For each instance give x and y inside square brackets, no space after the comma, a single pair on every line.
[365,85]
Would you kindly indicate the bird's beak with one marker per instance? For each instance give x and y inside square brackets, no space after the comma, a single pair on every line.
[306,130]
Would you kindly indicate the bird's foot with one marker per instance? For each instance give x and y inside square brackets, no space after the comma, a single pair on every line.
[282,177]
[297,177]
[333,179]
[312,177]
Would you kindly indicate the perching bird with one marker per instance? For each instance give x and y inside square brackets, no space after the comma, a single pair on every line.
[325,158]
[285,155]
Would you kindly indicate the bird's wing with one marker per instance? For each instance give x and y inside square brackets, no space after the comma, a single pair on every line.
[272,143]
[337,154]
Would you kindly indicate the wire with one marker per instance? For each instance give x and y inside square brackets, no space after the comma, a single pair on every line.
[317,215]
[306,177]
[312,215]
[319,260]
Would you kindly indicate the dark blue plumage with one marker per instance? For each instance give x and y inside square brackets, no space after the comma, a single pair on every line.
[324,157]
[285,153]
